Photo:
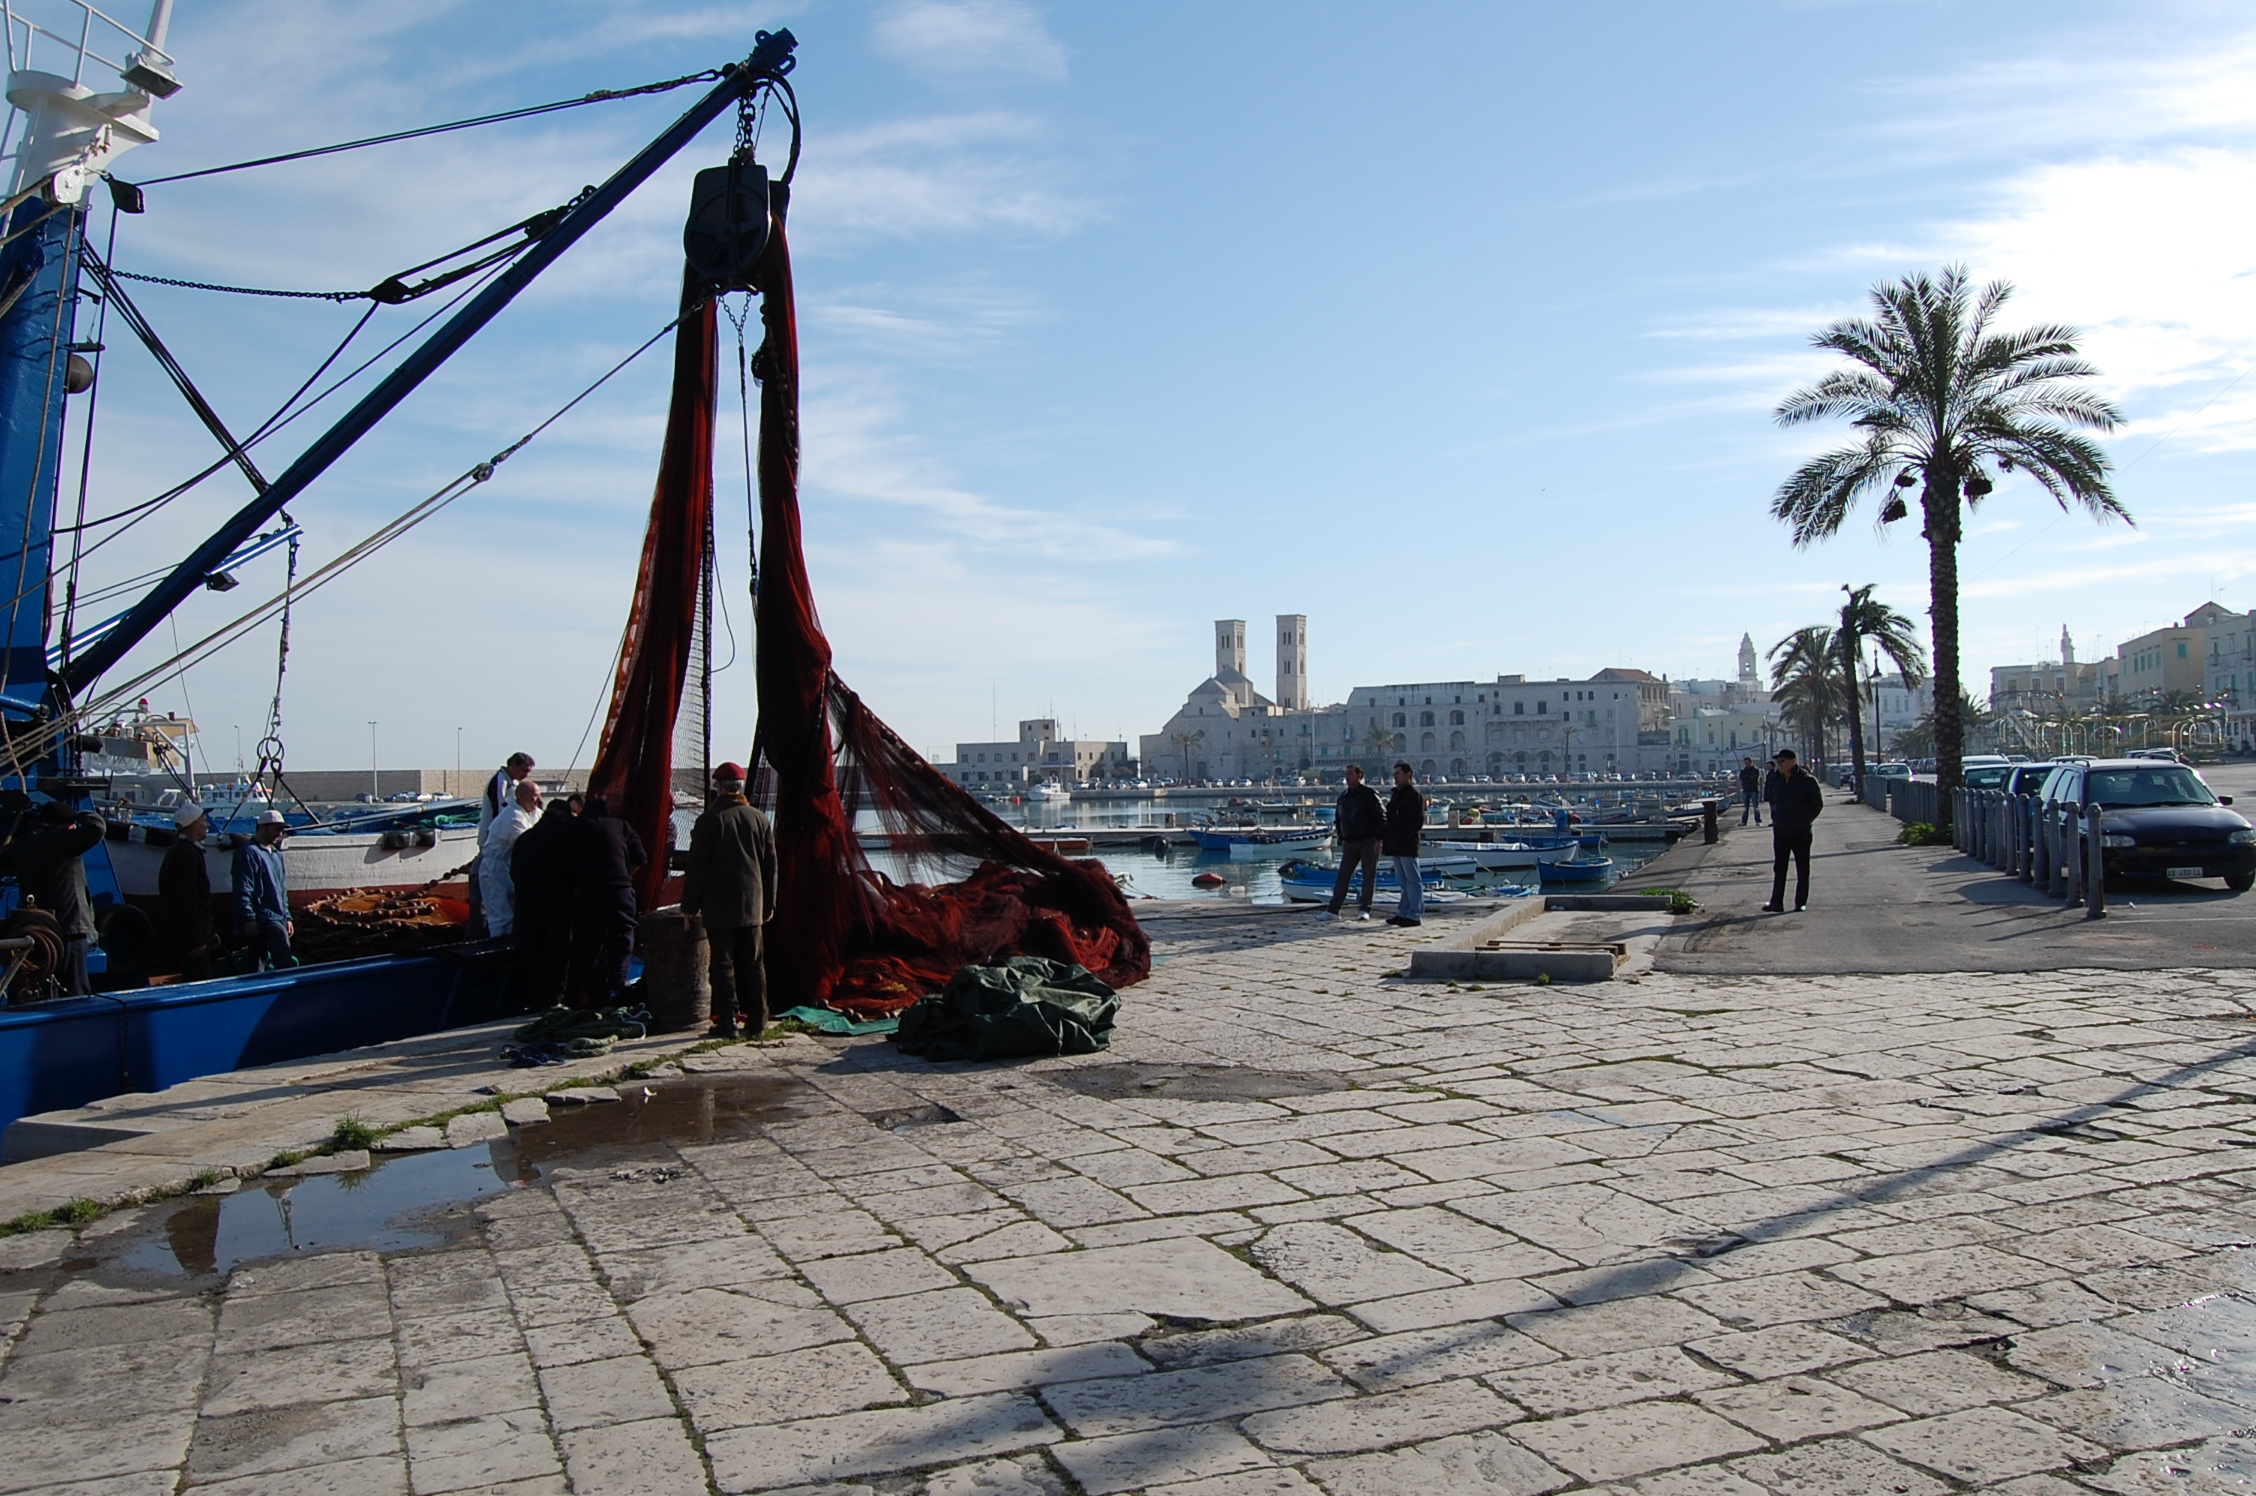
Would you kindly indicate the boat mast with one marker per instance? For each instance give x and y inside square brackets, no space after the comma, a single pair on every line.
[71,133]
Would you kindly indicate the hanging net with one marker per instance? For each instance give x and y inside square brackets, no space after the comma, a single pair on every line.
[846,935]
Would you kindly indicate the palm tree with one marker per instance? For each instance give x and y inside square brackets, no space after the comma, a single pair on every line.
[1865,617]
[1807,682]
[1919,739]
[1940,394]
[1186,743]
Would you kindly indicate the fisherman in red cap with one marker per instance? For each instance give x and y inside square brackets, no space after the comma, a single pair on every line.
[730,881]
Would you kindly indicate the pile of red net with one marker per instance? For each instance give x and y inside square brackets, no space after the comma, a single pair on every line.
[845,935]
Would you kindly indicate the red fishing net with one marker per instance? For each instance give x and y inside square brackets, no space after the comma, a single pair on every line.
[634,764]
[845,935]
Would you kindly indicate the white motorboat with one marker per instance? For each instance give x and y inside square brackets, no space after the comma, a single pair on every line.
[1498,857]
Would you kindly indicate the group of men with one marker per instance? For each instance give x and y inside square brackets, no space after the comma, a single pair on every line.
[1365,830]
[559,878]
[1796,800]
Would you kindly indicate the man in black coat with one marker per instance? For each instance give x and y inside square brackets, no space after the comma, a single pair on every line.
[48,861]
[605,853]
[1796,801]
[540,876]
[184,895]
[1356,827]
[1750,791]
[1405,821]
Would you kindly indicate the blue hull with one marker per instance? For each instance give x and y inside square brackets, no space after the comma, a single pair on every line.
[66,1054]
[1576,872]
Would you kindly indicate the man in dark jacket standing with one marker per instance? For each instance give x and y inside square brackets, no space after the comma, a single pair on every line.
[1750,791]
[540,878]
[1357,827]
[730,881]
[47,861]
[1405,821]
[184,893]
[605,853]
[1796,802]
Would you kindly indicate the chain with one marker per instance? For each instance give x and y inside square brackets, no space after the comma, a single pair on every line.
[166,280]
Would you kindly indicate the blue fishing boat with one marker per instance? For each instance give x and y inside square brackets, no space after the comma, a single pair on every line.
[1576,870]
[1311,882]
[1259,841]
[85,85]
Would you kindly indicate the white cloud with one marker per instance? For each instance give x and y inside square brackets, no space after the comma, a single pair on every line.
[963,39]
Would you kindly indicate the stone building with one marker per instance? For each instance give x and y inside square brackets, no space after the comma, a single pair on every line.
[1038,754]
[1225,729]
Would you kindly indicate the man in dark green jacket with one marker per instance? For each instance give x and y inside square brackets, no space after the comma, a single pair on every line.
[730,882]
[1357,827]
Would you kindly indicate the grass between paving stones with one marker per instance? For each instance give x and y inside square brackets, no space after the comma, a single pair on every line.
[352,1134]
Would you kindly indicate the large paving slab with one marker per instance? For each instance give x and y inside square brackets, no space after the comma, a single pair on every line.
[1308,1229]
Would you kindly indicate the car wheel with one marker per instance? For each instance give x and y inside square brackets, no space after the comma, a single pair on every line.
[2240,882]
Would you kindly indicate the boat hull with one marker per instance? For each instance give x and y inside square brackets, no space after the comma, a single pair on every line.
[317,865]
[1498,857]
[1260,843]
[1596,871]
[66,1054]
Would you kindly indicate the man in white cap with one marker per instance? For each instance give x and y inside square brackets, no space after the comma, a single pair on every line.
[730,879]
[184,892]
[262,894]
[495,884]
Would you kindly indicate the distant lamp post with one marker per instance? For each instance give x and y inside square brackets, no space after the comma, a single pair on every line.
[375,785]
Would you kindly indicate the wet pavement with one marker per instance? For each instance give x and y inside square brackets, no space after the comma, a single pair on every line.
[1305,1228]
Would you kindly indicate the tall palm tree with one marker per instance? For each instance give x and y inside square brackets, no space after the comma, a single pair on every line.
[1864,617]
[1938,395]
[1808,682]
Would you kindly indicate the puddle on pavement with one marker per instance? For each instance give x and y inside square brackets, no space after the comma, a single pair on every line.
[1115,1082]
[413,1201]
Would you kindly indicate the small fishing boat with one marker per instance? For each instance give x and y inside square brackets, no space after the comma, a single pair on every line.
[1050,789]
[1499,857]
[1311,882]
[1260,841]
[1576,870]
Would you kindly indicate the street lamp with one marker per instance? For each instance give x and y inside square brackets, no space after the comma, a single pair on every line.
[375,786]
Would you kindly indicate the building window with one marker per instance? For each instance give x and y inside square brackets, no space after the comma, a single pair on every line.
[1401,719]
[1542,708]
[1425,719]
[1519,708]
[1456,719]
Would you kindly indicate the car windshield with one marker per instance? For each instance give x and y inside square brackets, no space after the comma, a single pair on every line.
[2164,784]
[1987,777]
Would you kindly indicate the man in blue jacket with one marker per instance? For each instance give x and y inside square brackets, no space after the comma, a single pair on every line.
[1405,820]
[262,894]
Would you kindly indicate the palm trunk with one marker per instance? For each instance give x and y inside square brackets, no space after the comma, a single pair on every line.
[1850,650]
[1939,500]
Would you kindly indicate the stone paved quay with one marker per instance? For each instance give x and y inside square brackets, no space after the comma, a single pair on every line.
[1684,1235]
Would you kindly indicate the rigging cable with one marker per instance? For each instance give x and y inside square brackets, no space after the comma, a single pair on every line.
[86,457]
[344,561]
[600,96]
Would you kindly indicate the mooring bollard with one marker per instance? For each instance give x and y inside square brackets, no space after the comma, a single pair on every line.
[2095,868]
[1708,822]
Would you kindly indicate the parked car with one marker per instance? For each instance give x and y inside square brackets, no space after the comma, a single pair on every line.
[1892,770]
[2028,779]
[2157,820]
[1986,776]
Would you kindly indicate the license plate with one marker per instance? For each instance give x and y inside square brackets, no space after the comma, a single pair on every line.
[2183,872]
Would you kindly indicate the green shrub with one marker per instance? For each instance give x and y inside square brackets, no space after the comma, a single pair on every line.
[1680,902]
[352,1135]
[1921,834]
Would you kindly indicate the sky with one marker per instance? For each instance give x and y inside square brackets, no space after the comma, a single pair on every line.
[1456,327]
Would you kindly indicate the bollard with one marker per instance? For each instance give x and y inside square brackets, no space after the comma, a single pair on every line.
[674,982]
[2044,845]
[1708,822]
[2095,868]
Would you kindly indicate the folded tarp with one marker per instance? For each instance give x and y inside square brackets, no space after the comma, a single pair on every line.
[1025,1007]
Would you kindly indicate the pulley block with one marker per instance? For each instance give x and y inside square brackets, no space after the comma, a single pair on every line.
[728,224]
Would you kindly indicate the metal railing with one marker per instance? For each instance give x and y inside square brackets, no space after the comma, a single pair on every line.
[14,20]
[2052,846]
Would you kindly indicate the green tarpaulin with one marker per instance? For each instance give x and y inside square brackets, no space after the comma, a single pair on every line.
[1025,1007]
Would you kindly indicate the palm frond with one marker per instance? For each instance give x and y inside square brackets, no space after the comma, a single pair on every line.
[1817,499]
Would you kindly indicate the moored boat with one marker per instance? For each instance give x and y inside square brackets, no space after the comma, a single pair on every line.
[1576,870]
[1260,841]
[1308,882]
